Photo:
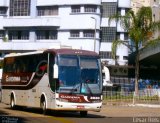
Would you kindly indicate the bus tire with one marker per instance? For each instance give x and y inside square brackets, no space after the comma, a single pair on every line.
[12,102]
[83,113]
[43,105]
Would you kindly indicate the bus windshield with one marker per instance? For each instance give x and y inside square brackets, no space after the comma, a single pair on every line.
[79,74]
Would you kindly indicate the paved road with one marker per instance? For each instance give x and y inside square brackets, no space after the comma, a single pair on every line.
[109,114]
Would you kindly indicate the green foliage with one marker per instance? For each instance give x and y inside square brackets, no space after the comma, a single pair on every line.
[149,98]
[119,97]
[140,28]
[5,39]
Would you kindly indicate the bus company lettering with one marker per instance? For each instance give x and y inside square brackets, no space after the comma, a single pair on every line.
[24,79]
[69,97]
[16,79]
[13,79]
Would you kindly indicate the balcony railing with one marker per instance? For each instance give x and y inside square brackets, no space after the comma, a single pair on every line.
[3,3]
[31,22]
[26,45]
[67,2]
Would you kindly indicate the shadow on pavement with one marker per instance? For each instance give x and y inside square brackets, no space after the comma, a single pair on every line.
[3,113]
[72,114]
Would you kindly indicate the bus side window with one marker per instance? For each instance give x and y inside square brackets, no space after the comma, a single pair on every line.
[18,65]
[32,63]
[9,65]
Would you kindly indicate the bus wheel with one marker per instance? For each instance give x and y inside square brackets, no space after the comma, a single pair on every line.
[12,103]
[83,113]
[43,107]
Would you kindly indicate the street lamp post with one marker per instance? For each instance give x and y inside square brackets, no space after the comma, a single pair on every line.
[95,33]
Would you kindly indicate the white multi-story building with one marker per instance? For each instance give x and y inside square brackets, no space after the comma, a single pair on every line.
[27,25]
[114,31]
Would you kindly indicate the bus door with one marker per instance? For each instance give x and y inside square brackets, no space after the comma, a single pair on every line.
[53,82]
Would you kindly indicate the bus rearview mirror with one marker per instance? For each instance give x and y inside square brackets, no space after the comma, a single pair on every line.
[55,71]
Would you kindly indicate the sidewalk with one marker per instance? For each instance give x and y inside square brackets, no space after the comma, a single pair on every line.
[147,105]
[105,102]
[137,110]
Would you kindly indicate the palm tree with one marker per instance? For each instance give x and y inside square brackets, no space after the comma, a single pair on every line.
[140,28]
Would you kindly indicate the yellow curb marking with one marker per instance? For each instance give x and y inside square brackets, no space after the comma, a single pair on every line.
[62,120]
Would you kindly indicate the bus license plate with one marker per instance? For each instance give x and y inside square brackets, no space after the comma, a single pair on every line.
[80,107]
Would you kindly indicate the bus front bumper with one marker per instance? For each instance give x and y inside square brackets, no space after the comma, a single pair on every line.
[69,106]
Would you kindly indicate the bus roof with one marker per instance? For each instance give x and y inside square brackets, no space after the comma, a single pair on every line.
[22,54]
[56,51]
[72,52]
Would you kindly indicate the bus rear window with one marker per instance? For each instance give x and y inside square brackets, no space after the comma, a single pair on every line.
[68,61]
[89,63]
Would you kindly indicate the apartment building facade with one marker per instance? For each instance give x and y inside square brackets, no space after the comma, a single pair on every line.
[27,25]
[113,31]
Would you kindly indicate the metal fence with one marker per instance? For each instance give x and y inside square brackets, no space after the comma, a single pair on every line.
[146,96]
[117,98]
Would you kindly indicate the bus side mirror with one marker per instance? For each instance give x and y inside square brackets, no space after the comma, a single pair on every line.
[55,71]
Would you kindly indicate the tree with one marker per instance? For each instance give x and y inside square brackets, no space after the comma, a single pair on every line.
[140,28]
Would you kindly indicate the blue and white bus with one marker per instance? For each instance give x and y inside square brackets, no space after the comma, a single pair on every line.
[57,79]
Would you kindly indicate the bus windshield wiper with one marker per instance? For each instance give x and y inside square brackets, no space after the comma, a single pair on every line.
[75,88]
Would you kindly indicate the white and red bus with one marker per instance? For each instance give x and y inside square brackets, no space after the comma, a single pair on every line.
[57,79]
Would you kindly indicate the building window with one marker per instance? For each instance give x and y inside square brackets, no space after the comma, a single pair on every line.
[18,35]
[46,34]
[105,55]
[3,10]
[108,9]
[74,33]
[126,36]
[76,9]
[154,17]
[119,11]
[125,57]
[117,57]
[118,36]
[47,10]
[108,34]
[88,33]
[90,8]
[19,7]
[1,33]
[126,10]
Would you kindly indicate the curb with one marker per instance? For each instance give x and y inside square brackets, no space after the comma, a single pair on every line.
[146,105]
